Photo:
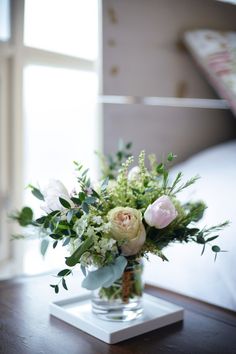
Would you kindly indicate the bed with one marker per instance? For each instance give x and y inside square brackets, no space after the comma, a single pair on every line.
[188,272]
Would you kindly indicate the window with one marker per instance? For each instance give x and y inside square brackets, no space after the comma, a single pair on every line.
[53,66]
[4,20]
[62,26]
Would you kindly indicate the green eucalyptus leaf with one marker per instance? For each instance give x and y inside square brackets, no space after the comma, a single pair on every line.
[41,220]
[55,236]
[212,238]
[90,200]
[67,240]
[216,249]
[105,276]
[26,216]
[36,193]
[44,246]
[85,207]
[56,288]
[64,284]
[83,269]
[70,215]
[64,273]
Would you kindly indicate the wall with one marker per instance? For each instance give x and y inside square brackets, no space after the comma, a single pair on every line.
[143,55]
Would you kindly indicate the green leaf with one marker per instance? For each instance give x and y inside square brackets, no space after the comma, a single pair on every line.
[85,207]
[216,249]
[67,240]
[44,246]
[55,244]
[64,273]
[105,276]
[90,200]
[64,284]
[26,216]
[171,157]
[55,236]
[36,192]
[41,220]
[160,168]
[200,238]
[104,184]
[64,203]
[82,196]
[192,231]
[76,200]
[56,289]
[95,194]
[212,238]
[75,257]
[128,145]
[203,249]
[83,269]
[70,215]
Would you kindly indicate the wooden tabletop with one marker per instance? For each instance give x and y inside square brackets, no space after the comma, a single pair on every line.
[26,326]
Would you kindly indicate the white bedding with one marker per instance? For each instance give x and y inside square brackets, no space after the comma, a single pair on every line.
[187,272]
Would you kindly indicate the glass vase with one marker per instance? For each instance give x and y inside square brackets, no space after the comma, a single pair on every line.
[123,300]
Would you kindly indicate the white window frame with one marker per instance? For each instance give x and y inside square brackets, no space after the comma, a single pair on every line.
[17,56]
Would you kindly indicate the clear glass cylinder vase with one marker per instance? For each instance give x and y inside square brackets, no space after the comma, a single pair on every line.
[123,300]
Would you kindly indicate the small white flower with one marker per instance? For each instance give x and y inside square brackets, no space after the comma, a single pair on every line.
[80,225]
[90,231]
[97,219]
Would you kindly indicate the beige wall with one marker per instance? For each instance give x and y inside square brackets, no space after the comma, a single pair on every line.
[143,56]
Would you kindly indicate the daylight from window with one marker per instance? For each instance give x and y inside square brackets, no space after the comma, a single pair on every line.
[60,118]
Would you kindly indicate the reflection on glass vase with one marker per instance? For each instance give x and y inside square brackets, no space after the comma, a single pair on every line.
[123,300]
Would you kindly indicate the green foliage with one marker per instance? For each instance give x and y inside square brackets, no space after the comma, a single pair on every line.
[44,246]
[36,192]
[24,217]
[64,203]
[82,226]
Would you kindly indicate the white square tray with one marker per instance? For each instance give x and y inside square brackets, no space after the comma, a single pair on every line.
[77,311]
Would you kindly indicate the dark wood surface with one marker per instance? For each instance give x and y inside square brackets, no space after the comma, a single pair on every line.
[26,326]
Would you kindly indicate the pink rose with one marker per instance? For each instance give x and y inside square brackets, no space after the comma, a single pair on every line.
[160,213]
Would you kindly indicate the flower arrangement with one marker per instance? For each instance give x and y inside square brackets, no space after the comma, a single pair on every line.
[113,223]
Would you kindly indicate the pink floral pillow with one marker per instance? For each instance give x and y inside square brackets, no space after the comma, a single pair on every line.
[215,53]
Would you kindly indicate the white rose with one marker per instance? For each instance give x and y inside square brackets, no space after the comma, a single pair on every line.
[51,193]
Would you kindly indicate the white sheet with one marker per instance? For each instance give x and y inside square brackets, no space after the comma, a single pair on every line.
[187,272]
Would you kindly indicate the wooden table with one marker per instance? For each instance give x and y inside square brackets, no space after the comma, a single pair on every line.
[26,326]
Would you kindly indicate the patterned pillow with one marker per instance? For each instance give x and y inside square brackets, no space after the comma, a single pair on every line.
[215,53]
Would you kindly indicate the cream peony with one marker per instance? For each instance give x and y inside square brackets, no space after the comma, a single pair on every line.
[160,213]
[126,225]
[51,193]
